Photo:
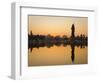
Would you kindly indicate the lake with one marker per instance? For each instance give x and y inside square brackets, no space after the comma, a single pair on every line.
[57,55]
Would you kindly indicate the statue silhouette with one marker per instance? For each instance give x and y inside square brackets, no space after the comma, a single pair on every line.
[73,31]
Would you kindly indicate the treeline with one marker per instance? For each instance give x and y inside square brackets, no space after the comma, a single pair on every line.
[49,40]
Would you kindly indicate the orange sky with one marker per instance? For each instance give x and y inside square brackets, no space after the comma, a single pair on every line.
[57,25]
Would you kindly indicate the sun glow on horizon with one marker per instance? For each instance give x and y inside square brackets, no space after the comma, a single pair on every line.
[57,25]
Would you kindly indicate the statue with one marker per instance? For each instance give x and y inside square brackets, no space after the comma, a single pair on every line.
[73,31]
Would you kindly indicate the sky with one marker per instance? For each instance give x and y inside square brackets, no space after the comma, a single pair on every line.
[57,25]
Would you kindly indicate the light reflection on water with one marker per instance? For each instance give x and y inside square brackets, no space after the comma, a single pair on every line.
[57,55]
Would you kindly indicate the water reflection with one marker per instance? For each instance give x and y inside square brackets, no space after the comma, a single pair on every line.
[49,45]
[72,53]
[57,54]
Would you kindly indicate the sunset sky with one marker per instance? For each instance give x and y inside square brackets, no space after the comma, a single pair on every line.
[57,25]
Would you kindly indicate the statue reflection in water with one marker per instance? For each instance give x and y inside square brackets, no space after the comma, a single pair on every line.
[72,53]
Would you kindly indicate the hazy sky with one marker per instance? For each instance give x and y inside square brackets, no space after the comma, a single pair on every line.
[56,25]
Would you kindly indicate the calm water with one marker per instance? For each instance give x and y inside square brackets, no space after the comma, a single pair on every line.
[57,55]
